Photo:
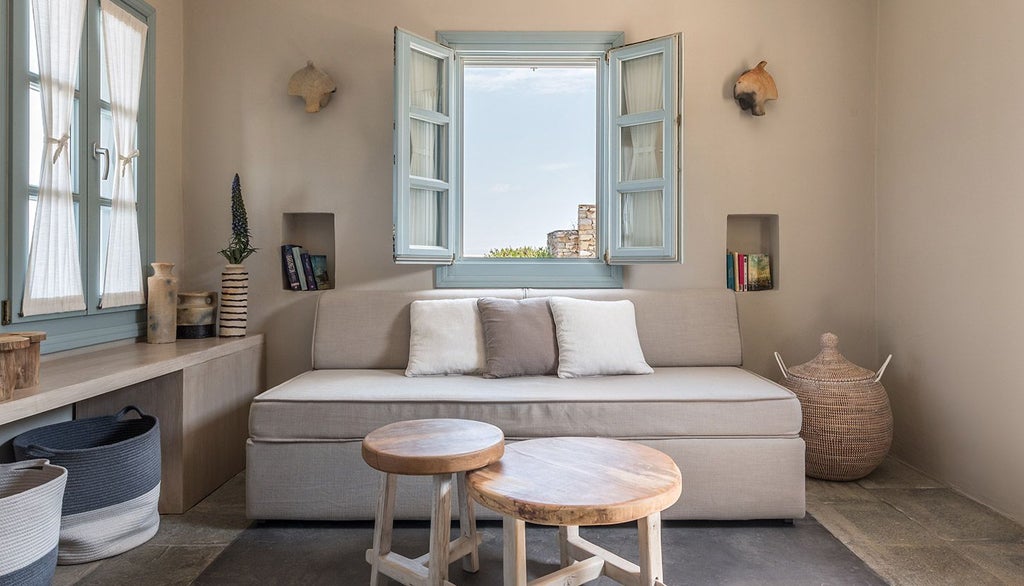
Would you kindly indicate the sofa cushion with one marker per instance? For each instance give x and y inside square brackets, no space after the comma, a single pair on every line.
[519,337]
[445,337]
[596,338]
[671,402]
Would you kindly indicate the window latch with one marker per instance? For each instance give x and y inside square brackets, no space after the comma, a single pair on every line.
[5,319]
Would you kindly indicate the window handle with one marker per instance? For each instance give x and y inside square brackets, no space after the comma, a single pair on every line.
[97,152]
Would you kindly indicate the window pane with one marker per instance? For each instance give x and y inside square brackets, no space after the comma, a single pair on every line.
[104,82]
[426,81]
[530,160]
[31,222]
[642,149]
[428,153]
[642,85]
[427,218]
[35,136]
[104,234]
[642,219]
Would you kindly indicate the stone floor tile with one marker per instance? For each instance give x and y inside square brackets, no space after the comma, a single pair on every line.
[872,522]
[916,565]
[66,575]
[893,473]
[1005,560]
[952,516]
[200,529]
[824,491]
[153,564]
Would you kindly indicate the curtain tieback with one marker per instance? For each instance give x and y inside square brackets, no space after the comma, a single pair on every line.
[62,144]
[643,150]
[126,160]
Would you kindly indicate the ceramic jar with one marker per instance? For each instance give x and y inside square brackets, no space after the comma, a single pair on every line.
[847,421]
[197,315]
[162,304]
[234,301]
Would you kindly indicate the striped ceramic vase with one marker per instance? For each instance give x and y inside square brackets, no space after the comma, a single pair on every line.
[234,301]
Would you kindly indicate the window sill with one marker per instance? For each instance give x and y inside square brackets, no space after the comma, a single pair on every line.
[537,273]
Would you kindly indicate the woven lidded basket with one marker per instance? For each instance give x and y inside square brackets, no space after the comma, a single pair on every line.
[847,421]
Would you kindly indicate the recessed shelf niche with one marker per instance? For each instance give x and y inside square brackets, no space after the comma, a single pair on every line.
[313,231]
[755,233]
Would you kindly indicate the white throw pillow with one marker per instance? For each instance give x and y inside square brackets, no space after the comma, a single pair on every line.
[597,337]
[446,338]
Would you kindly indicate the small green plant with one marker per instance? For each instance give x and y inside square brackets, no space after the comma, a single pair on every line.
[520,252]
[239,248]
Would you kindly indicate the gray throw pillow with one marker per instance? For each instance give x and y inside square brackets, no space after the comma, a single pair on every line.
[519,337]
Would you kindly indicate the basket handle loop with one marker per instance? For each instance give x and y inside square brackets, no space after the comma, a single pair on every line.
[125,411]
[782,365]
[37,463]
[881,370]
[39,451]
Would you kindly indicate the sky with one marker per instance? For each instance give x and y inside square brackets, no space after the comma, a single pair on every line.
[530,158]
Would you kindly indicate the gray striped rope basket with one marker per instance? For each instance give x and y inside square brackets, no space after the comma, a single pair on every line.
[113,464]
[30,502]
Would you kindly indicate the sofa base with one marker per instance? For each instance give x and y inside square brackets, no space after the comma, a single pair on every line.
[739,478]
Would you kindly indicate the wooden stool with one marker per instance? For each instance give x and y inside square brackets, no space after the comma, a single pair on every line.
[11,348]
[440,448]
[580,481]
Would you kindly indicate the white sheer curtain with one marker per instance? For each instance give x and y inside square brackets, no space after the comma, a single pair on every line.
[53,279]
[125,42]
[642,210]
[423,203]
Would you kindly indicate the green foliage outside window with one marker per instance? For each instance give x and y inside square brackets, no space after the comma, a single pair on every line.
[519,252]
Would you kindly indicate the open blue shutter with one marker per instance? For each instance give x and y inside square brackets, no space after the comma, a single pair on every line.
[643,171]
[423,140]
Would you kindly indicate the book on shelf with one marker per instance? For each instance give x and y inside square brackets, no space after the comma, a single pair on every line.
[319,262]
[291,273]
[748,272]
[307,270]
[297,256]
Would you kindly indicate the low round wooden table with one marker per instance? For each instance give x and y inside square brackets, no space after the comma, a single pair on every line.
[573,481]
[440,448]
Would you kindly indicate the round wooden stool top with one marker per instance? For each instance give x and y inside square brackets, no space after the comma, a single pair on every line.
[433,446]
[577,481]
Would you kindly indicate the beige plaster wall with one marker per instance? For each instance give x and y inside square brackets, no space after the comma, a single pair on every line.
[170,244]
[950,138]
[810,160]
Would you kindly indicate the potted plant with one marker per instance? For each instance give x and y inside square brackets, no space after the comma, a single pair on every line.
[234,280]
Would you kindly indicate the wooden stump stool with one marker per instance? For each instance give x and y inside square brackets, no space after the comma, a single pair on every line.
[11,348]
[439,448]
[573,481]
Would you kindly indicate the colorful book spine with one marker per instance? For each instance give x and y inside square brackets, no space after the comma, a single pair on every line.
[307,269]
[291,273]
[730,271]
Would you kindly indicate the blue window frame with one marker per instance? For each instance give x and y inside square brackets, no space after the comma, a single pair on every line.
[90,128]
[637,198]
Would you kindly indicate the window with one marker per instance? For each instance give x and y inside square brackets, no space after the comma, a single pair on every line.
[108,187]
[559,150]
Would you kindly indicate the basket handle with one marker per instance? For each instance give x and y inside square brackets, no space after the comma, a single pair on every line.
[125,411]
[37,463]
[782,365]
[881,370]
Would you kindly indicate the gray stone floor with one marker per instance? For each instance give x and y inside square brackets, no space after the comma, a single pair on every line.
[907,527]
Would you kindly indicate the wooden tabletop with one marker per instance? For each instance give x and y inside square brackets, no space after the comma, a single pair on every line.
[577,481]
[433,446]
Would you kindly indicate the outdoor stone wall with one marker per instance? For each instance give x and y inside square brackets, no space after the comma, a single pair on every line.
[579,243]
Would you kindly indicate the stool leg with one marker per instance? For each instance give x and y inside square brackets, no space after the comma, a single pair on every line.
[514,555]
[649,529]
[440,530]
[382,525]
[467,525]
[564,533]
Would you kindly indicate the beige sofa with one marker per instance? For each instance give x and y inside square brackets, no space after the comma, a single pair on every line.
[733,434]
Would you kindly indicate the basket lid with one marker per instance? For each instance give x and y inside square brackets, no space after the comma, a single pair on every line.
[830,365]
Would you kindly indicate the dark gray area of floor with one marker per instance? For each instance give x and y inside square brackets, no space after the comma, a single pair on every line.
[734,553]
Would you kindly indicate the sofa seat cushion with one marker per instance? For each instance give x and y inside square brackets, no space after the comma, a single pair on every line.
[672,402]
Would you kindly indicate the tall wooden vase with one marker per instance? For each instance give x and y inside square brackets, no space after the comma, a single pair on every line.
[234,301]
[162,305]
